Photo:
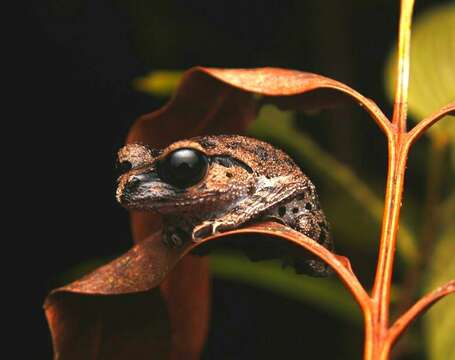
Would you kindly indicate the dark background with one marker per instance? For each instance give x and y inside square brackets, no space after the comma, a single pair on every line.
[79,61]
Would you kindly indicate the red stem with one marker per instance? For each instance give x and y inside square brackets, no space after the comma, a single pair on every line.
[426,123]
[405,320]
[398,152]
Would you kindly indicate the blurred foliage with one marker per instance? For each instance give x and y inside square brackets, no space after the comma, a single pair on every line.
[271,275]
[432,75]
[158,83]
[439,323]
[448,209]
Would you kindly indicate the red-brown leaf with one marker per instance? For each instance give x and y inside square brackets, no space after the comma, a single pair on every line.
[81,311]
[87,321]
[222,101]
[108,327]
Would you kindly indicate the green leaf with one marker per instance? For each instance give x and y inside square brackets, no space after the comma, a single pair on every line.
[432,73]
[439,323]
[279,126]
[325,294]
[160,83]
[448,209]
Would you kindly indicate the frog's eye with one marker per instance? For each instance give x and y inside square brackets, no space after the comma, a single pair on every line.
[183,168]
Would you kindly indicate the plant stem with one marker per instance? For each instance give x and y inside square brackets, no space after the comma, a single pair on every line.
[431,221]
[403,322]
[404,50]
[394,190]
[370,334]
[426,123]
[398,151]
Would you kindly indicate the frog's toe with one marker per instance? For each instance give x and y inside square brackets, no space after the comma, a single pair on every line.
[312,267]
[208,228]
[204,230]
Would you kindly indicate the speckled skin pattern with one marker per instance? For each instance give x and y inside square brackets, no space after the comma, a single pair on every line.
[246,180]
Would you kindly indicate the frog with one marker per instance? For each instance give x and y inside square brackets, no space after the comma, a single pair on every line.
[215,183]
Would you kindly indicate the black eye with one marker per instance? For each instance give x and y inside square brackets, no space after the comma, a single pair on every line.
[123,167]
[183,168]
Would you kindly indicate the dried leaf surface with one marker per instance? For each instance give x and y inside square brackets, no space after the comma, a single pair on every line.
[86,321]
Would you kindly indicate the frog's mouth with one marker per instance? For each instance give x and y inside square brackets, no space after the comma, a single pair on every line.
[149,193]
[169,205]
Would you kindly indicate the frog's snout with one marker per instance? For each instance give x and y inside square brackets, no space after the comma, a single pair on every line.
[133,183]
[131,187]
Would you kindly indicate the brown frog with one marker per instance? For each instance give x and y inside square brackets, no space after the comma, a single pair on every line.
[211,184]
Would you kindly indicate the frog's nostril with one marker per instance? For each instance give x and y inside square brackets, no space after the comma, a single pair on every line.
[137,180]
[133,183]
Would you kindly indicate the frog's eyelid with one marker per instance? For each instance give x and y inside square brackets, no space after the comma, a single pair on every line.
[228,161]
[154,152]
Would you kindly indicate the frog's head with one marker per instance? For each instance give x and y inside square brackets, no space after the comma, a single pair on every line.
[188,176]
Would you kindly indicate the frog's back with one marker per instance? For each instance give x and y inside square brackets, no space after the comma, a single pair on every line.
[265,159]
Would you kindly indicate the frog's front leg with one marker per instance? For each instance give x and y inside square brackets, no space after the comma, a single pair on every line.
[269,193]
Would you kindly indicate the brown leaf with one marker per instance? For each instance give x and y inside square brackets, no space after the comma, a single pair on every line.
[121,325]
[108,327]
[222,101]
[187,294]
[86,321]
